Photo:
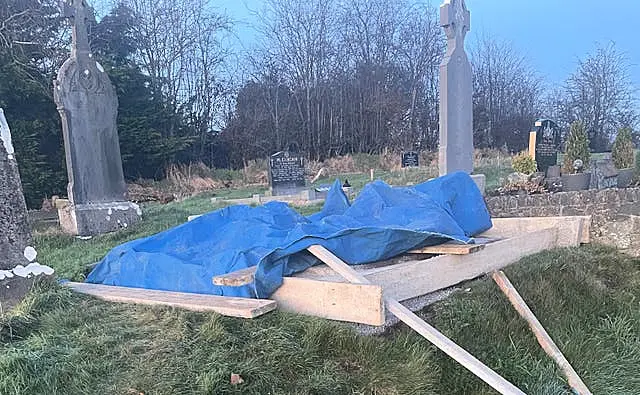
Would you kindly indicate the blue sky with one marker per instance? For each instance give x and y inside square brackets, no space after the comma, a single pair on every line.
[552,34]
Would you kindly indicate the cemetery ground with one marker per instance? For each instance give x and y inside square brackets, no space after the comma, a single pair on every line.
[60,342]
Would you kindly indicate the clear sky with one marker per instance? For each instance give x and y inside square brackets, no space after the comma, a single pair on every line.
[552,34]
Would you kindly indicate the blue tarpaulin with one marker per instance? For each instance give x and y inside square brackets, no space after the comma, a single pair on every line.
[382,222]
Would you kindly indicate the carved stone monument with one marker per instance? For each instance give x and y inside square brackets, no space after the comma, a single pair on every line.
[15,235]
[456,90]
[88,106]
[286,173]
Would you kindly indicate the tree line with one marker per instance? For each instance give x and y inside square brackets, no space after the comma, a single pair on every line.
[325,77]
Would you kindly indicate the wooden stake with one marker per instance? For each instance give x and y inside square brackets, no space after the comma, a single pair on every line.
[541,334]
[430,333]
[532,145]
[371,171]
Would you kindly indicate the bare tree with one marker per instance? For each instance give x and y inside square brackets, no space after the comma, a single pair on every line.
[179,47]
[507,94]
[600,94]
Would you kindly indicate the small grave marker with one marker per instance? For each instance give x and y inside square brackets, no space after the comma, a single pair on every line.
[545,143]
[286,173]
[410,159]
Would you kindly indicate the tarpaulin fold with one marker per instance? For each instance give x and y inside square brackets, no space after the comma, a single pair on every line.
[382,222]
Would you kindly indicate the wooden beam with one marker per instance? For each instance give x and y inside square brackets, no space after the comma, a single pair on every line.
[334,300]
[237,278]
[430,333]
[225,305]
[415,278]
[541,334]
[450,248]
[572,230]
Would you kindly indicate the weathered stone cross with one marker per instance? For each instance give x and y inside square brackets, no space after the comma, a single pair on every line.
[80,12]
[456,91]
[455,19]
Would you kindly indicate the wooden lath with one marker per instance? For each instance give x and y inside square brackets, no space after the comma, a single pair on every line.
[225,305]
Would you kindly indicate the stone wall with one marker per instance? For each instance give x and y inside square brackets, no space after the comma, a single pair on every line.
[615,212]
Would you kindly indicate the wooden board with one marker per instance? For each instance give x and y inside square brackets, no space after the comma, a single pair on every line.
[225,305]
[415,278]
[450,248]
[334,300]
[237,278]
[572,230]
[430,333]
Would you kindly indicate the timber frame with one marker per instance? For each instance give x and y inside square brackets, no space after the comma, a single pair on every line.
[319,291]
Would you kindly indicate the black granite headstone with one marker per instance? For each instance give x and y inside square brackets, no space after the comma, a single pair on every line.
[410,159]
[547,144]
[286,173]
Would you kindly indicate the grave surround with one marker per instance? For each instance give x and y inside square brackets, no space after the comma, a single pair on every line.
[615,212]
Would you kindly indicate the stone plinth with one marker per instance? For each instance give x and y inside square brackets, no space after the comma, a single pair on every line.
[97,218]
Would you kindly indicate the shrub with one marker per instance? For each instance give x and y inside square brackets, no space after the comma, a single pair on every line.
[577,147]
[523,163]
[622,151]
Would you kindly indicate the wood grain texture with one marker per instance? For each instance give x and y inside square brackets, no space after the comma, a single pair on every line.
[333,300]
[449,248]
[430,333]
[572,230]
[225,305]
[237,278]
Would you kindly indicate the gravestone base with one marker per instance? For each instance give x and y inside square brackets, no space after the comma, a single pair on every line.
[13,290]
[286,190]
[97,218]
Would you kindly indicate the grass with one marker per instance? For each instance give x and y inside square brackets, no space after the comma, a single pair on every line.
[59,342]
[587,298]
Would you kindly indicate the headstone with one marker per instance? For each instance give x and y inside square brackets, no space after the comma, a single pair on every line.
[88,106]
[410,159]
[16,275]
[603,174]
[456,90]
[547,144]
[286,173]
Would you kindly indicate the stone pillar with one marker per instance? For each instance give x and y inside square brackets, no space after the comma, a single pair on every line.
[15,234]
[456,91]
[88,106]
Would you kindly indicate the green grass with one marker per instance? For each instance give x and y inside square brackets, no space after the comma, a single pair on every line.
[587,298]
[58,342]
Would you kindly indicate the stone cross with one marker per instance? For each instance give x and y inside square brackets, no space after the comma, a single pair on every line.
[88,107]
[80,12]
[456,90]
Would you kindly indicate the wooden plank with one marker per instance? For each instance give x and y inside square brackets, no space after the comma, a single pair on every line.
[237,278]
[333,300]
[415,278]
[546,342]
[450,248]
[572,230]
[430,333]
[225,305]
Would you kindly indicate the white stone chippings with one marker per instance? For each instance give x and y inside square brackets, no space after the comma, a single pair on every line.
[32,269]
[110,211]
[108,217]
[99,67]
[30,253]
